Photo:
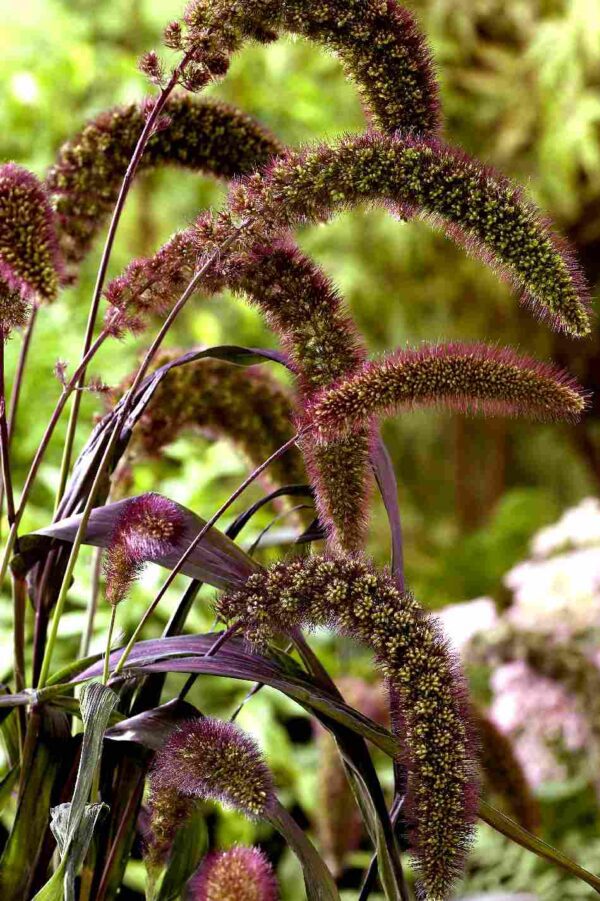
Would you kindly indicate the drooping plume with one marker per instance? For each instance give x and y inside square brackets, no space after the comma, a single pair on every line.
[148,527]
[377,42]
[480,210]
[204,136]
[29,261]
[470,378]
[240,874]
[435,734]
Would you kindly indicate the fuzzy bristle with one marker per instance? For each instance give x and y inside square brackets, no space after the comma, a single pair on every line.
[344,593]
[377,41]
[29,260]
[204,136]
[477,208]
[240,874]
[148,527]
[470,378]
[208,759]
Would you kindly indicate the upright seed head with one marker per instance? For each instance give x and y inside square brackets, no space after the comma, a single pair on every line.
[240,874]
[148,527]
[29,260]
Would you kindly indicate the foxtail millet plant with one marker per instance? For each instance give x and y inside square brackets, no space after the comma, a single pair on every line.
[328,422]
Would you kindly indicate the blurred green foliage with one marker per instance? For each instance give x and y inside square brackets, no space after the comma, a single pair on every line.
[520,87]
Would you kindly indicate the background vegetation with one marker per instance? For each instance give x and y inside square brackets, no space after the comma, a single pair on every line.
[520,83]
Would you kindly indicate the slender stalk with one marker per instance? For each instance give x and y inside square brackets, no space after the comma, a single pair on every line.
[126,184]
[20,372]
[19,605]
[104,462]
[17,384]
[109,635]
[194,544]
[4,441]
[86,638]
[45,440]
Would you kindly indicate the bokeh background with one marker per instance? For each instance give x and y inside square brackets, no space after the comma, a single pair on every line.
[520,83]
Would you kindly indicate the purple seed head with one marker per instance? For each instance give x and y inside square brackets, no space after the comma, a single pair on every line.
[240,874]
[432,720]
[148,527]
[208,759]
[469,378]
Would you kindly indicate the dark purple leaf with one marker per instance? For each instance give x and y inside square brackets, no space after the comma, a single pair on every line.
[152,727]
[216,560]
[186,654]
[388,487]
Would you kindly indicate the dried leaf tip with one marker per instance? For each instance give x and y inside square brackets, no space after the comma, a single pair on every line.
[469,378]
[240,874]
[29,259]
[207,759]
[148,527]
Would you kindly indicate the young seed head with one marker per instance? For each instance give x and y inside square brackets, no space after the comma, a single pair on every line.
[29,260]
[14,310]
[204,136]
[148,527]
[208,759]
[240,874]
[377,42]
[503,773]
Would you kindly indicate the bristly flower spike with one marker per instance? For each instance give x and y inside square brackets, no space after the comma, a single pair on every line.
[477,208]
[204,136]
[377,41]
[208,759]
[503,773]
[240,874]
[469,378]
[204,759]
[435,732]
[148,527]
[29,261]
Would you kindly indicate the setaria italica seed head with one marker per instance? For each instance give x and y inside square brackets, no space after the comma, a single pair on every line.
[204,136]
[148,527]
[210,760]
[377,41]
[469,378]
[347,594]
[479,209]
[240,874]
[29,261]
[301,304]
